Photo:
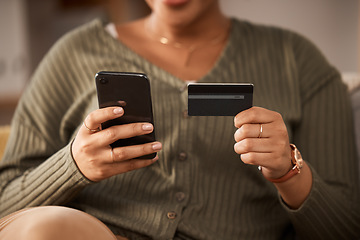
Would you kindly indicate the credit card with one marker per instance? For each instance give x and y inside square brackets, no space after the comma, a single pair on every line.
[219,99]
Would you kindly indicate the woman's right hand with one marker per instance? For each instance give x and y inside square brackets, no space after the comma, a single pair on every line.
[92,151]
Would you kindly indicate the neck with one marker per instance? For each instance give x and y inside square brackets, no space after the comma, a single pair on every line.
[208,26]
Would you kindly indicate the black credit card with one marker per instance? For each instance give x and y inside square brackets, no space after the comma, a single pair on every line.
[219,99]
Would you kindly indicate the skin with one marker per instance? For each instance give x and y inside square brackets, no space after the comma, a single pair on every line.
[92,152]
[187,23]
[191,25]
[272,151]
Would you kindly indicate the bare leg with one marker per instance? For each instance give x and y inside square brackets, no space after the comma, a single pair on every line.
[52,222]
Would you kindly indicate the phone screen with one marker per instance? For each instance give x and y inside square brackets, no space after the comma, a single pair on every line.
[131,91]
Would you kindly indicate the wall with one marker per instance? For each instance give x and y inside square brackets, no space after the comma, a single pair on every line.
[29,28]
[14,64]
[13,49]
[48,20]
[333,25]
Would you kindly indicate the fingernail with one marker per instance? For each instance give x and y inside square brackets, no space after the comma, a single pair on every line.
[156,146]
[118,110]
[155,159]
[147,127]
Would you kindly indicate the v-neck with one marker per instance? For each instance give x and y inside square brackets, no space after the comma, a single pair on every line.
[154,71]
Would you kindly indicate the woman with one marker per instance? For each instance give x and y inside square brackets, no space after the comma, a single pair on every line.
[197,187]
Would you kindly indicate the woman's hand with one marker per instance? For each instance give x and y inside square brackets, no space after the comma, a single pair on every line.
[93,154]
[269,149]
[262,139]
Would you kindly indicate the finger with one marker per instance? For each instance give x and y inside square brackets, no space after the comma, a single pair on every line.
[130,165]
[268,163]
[111,134]
[95,118]
[102,171]
[255,115]
[121,154]
[260,145]
[258,159]
[257,130]
[89,129]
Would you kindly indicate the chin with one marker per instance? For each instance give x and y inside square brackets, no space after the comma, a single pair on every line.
[183,12]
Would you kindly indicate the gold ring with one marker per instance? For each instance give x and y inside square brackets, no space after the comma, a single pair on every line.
[261,130]
[112,154]
[91,130]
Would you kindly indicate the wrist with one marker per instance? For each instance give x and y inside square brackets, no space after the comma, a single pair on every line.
[295,185]
[295,190]
[293,171]
[297,163]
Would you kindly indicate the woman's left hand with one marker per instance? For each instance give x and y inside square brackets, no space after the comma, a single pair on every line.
[262,139]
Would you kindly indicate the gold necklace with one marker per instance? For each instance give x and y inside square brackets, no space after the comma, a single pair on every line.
[190,49]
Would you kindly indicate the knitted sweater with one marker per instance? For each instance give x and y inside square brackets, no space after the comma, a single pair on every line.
[199,188]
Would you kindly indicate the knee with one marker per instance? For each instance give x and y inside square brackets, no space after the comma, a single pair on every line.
[54,222]
[48,222]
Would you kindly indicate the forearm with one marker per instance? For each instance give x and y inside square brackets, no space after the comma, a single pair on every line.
[295,190]
[325,139]
[326,213]
[55,181]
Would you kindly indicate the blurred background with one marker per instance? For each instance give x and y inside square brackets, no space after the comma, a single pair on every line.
[29,28]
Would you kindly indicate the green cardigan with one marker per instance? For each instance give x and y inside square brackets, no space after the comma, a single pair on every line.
[199,188]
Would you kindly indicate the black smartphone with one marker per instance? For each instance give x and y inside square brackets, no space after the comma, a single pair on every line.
[219,99]
[131,91]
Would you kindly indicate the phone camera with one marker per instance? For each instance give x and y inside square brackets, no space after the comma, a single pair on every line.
[103,81]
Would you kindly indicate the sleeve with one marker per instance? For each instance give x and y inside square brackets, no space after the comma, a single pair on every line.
[37,167]
[325,137]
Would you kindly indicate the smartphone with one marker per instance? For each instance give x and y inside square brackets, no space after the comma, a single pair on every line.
[131,91]
[219,99]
